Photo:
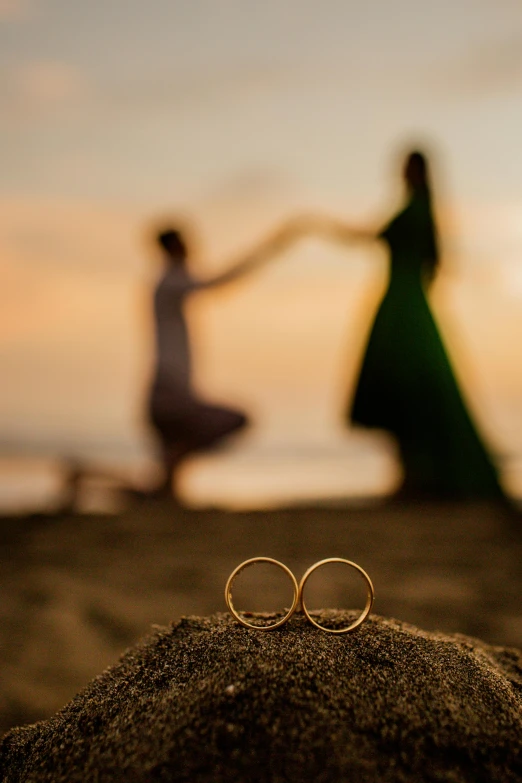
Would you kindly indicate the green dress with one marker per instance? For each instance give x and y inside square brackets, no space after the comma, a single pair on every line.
[406,383]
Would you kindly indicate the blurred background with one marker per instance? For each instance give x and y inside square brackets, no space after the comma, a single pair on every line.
[235,116]
[119,115]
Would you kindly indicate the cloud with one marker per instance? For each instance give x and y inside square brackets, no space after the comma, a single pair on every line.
[199,87]
[14,9]
[496,65]
[48,83]
[39,235]
[39,85]
[499,63]
[256,184]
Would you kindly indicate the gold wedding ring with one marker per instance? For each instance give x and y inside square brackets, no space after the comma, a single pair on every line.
[369,599]
[237,571]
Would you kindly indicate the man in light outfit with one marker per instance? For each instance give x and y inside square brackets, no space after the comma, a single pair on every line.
[184,423]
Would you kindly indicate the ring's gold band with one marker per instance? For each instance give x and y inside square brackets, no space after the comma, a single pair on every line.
[369,600]
[237,571]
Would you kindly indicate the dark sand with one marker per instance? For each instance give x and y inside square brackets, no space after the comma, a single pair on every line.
[208,700]
[77,591]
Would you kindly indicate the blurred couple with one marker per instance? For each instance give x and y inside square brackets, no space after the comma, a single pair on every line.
[406,383]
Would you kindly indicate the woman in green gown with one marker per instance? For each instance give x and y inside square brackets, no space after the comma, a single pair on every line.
[406,383]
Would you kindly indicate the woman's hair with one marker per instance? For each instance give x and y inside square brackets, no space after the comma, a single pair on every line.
[417,172]
[418,181]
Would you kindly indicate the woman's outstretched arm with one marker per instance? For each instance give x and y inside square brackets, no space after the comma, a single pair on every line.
[279,240]
[336,229]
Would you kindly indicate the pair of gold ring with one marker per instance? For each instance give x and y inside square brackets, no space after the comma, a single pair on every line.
[299,594]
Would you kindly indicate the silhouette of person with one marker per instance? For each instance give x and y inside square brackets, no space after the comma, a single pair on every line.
[406,383]
[184,423]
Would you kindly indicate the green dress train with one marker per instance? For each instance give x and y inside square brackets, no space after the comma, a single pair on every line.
[406,383]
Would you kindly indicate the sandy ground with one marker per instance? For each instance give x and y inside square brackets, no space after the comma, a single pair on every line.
[78,590]
[207,700]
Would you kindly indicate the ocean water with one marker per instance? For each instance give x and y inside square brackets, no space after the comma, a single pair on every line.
[248,472]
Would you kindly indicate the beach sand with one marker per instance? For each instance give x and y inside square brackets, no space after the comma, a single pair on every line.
[210,701]
[78,590]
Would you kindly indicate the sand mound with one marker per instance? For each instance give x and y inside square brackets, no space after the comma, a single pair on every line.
[208,700]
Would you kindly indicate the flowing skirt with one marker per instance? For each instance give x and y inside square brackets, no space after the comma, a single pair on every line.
[407,386]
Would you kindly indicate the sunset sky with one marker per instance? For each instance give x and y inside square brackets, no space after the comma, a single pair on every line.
[115,114]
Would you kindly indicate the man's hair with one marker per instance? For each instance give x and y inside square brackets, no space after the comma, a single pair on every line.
[173,242]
